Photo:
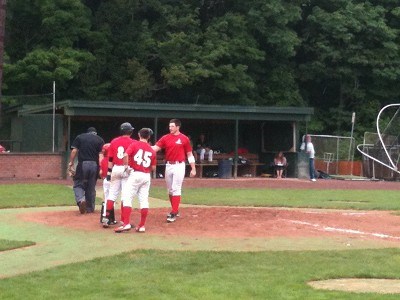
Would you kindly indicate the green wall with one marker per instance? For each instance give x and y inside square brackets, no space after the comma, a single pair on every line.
[34,133]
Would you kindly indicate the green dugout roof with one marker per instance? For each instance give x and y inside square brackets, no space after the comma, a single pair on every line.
[75,108]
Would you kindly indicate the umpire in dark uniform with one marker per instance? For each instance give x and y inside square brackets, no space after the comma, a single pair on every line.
[87,146]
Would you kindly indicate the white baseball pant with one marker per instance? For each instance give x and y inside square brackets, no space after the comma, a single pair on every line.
[174,175]
[106,189]
[138,184]
[118,180]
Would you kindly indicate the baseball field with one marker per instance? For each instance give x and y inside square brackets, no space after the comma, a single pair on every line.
[235,239]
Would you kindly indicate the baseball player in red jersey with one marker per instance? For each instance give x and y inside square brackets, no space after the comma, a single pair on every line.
[142,160]
[116,172]
[103,175]
[177,148]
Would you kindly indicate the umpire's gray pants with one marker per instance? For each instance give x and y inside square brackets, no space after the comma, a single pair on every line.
[85,183]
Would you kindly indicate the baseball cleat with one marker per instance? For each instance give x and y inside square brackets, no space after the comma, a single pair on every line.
[140,229]
[176,215]
[123,228]
[171,218]
[82,207]
[106,223]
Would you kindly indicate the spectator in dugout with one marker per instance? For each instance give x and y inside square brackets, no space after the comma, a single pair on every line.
[203,148]
[280,164]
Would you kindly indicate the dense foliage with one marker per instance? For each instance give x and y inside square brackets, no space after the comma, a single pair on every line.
[337,56]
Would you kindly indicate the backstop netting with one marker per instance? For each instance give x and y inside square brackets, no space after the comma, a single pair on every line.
[332,153]
[381,149]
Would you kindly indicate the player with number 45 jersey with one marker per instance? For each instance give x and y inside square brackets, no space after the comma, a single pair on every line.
[142,159]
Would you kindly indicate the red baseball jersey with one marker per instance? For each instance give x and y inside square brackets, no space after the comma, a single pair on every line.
[141,157]
[176,146]
[104,161]
[118,147]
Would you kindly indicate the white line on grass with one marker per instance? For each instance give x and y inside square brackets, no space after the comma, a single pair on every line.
[344,230]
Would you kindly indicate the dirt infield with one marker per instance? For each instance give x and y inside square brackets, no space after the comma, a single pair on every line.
[224,222]
[234,222]
[228,222]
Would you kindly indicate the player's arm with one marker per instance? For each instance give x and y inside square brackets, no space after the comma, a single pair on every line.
[154,162]
[110,166]
[156,148]
[192,163]
[125,160]
[101,157]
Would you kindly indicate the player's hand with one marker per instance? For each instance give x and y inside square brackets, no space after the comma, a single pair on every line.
[193,173]
[127,172]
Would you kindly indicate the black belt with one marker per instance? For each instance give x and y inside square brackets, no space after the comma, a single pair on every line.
[174,162]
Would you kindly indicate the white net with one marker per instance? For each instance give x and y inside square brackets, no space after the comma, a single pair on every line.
[381,149]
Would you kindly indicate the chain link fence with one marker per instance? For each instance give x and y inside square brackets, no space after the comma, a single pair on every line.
[334,154]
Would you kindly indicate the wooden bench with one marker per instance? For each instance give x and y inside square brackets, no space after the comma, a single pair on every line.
[247,169]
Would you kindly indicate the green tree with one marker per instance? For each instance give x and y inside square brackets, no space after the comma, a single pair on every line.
[337,56]
[273,25]
[44,44]
[348,52]
[122,44]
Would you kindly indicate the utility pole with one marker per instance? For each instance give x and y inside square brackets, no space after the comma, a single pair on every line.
[3,4]
[351,152]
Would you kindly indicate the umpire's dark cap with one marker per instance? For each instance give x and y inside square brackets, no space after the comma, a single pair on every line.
[92,130]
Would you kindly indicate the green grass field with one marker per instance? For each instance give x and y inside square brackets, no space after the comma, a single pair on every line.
[162,274]
[39,195]
[334,199]
[205,275]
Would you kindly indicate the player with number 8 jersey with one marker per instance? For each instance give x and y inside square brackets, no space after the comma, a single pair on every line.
[142,159]
[116,172]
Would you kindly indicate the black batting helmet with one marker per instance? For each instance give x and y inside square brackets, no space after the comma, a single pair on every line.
[126,128]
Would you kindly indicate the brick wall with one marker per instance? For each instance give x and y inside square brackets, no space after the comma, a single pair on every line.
[31,165]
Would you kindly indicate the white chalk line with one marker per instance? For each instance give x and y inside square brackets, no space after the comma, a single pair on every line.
[344,230]
[344,214]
